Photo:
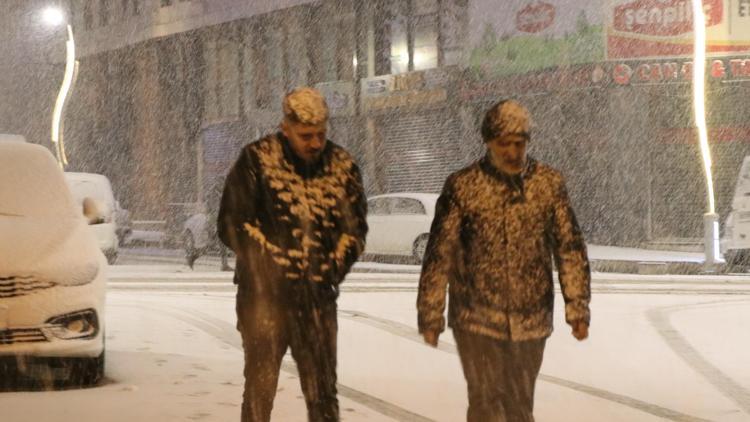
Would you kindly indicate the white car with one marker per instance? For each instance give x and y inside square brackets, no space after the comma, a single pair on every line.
[400,224]
[97,187]
[52,274]
[735,244]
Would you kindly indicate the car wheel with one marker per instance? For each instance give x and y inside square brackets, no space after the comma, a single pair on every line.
[87,372]
[420,247]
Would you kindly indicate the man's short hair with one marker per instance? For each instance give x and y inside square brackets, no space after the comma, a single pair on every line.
[305,105]
[507,117]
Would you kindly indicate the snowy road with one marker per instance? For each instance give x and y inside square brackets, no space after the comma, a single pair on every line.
[655,353]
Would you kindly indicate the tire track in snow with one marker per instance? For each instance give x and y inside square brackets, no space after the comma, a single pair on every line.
[409,333]
[228,334]
[660,319]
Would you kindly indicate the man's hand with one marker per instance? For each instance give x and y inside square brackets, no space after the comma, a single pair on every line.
[431,338]
[580,330]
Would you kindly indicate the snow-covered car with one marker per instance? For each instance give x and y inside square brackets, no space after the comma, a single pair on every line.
[52,273]
[735,243]
[197,232]
[123,224]
[399,223]
[98,188]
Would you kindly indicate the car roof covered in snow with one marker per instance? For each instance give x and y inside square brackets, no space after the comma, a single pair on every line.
[6,137]
[428,199]
[32,183]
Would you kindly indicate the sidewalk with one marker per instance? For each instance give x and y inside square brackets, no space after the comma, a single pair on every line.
[603,259]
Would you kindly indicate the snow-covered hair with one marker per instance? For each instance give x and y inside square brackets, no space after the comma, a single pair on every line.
[305,105]
[505,118]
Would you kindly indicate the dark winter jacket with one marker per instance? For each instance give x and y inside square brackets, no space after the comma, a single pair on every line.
[492,243]
[292,222]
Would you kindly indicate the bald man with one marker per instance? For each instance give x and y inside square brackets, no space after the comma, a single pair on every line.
[294,212]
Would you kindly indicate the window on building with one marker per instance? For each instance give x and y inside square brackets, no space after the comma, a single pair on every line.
[211,106]
[269,69]
[332,37]
[137,7]
[165,3]
[425,34]
[228,77]
[88,15]
[411,29]
[103,12]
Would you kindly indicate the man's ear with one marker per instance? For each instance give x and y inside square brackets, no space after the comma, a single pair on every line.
[284,126]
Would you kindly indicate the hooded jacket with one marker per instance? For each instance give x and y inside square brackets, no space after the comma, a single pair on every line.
[289,221]
[492,244]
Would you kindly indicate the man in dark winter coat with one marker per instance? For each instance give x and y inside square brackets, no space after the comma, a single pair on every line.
[294,213]
[498,224]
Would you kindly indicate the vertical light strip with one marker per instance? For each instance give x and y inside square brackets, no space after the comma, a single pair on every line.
[61,97]
[699,94]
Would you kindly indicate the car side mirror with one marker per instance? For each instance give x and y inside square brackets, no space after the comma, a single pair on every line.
[95,211]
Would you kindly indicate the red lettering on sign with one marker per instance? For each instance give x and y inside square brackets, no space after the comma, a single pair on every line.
[718,70]
[535,17]
[622,74]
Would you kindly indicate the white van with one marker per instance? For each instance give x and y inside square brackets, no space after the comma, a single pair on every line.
[97,187]
[735,244]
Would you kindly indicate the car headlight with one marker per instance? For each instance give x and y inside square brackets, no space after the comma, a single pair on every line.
[76,325]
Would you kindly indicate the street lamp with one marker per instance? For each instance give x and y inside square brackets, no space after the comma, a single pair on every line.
[710,219]
[53,16]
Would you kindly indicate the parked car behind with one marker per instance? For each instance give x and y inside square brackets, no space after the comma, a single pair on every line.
[400,224]
[98,188]
[52,274]
[123,224]
[735,244]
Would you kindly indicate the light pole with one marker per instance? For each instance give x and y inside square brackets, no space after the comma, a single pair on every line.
[710,219]
[53,16]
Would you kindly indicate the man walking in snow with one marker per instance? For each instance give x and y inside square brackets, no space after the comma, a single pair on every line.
[294,212]
[498,224]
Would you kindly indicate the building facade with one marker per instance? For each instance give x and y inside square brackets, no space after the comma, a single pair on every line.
[169,91]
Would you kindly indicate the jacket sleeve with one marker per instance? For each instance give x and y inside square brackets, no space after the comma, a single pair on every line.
[440,262]
[237,205]
[354,230]
[571,258]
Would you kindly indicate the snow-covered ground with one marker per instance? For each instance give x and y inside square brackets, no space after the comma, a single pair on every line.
[159,257]
[174,355]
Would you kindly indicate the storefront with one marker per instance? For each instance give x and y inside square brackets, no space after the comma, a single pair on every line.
[414,131]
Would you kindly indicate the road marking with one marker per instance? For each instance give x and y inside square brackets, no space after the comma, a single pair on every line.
[660,318]
[228,334]
[409,333]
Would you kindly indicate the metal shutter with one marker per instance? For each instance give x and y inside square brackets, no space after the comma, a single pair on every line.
[419,151]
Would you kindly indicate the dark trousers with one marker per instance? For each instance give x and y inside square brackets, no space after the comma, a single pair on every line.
[500,375]
[305,321]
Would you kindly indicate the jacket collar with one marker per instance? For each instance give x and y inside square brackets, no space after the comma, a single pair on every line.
[514,182]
